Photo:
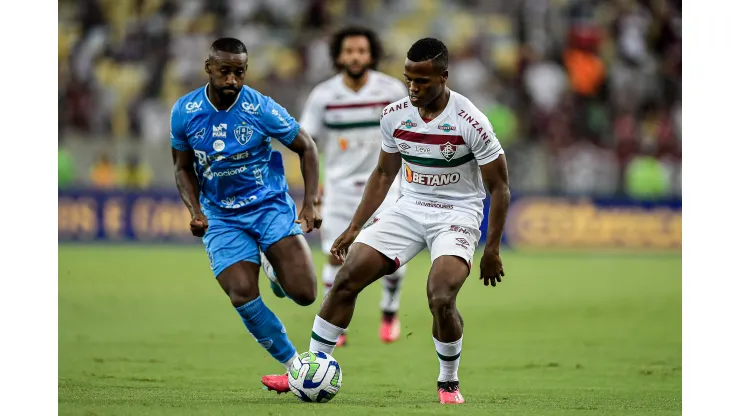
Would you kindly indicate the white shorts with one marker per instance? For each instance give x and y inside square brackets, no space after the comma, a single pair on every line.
[403,230]
[337,211]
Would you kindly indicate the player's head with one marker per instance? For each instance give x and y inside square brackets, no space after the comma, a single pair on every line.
[425,71]
[226,66]
[354,50]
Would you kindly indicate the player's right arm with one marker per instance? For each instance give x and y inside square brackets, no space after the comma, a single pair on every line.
[376,189]
[187,182]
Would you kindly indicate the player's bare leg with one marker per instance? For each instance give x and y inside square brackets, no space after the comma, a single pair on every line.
[363,266]
[240,282]
[328,276]
[294,269]
[446,277]
[390,325]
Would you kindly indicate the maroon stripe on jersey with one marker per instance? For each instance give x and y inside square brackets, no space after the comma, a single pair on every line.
[424,138]
[357,105]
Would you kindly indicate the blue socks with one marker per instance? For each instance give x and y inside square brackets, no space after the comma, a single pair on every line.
[267,329]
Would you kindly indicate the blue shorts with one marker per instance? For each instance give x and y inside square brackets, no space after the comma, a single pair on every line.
[238,236]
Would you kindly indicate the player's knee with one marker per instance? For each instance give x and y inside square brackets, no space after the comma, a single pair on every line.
[305,296]
[441,302]
[241,295]
[344,286]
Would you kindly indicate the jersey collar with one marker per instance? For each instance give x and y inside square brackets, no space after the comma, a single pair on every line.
[205,92]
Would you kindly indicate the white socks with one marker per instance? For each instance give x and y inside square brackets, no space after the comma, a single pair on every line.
[391,297]
[288,363]
[449,358]
[324,336]
[328,274]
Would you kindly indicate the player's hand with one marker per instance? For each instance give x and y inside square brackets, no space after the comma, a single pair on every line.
[342,243]
[491,267]
[199,225]
[309,218]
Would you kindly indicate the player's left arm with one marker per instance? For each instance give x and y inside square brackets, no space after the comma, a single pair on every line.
[492,161]
[280,125]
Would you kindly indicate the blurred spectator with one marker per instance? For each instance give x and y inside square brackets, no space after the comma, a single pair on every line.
[134,174]
[103,173]
[66,168]
[646,178]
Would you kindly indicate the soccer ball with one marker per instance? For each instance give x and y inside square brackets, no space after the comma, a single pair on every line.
[315,377]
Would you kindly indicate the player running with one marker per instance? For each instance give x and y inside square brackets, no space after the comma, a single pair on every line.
[342,114]
[234,186]
[450,156]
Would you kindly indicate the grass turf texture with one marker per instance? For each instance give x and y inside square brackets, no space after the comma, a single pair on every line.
[567,334]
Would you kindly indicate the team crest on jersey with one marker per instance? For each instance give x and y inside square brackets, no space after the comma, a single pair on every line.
[220,130]
[243,133]
[408,124]
[447,127]
[447,150]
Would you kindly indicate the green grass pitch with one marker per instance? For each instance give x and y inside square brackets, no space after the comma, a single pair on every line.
[147,331]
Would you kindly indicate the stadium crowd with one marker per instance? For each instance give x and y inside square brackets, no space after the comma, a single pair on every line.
[584,95]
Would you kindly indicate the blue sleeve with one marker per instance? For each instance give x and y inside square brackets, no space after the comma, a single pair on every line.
[178,139]
[277,123]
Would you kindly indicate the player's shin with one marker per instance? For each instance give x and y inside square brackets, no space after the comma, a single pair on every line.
[328,274]
[324,335]
[267,329]
[448,354]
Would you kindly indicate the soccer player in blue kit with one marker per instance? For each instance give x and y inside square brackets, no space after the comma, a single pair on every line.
[234,186]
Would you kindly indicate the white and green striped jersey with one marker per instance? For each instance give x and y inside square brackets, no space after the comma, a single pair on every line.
[441,157]
[346,125]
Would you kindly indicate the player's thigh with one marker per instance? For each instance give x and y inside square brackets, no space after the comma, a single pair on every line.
[292,260]
[446,276]
[397,236]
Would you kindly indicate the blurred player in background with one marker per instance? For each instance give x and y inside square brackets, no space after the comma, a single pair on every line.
[234,186]
[450,156]
[343,115]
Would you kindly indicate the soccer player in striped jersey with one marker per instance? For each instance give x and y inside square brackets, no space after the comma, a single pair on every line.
[343,115]
[449,156]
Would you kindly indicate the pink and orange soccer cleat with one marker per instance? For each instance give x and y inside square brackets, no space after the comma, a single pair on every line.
[278,383]
[390,329]
[342,340]
[449,392]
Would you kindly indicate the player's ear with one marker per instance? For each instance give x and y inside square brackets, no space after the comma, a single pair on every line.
[208,67]
[444,76]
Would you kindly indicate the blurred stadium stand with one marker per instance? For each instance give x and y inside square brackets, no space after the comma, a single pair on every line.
[584,95]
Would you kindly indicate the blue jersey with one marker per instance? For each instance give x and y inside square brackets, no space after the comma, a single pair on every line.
[232,147]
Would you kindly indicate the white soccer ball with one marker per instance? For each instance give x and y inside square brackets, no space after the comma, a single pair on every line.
[315,377]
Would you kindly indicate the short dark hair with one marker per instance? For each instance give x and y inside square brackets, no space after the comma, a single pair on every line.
[429,48]
[335,44]
[228,45]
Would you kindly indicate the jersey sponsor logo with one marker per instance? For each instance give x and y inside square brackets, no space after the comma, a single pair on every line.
[447,150]
[193,107]
[228,172]
[459,229]
[408,124]
[243,134]
[250,108]
[447,127]
[219,145]
[425,150]
[280,117]
[220,130]
[343,144]
[435,205]
[201,133]
[476,126]
[404,147]
[430,179]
